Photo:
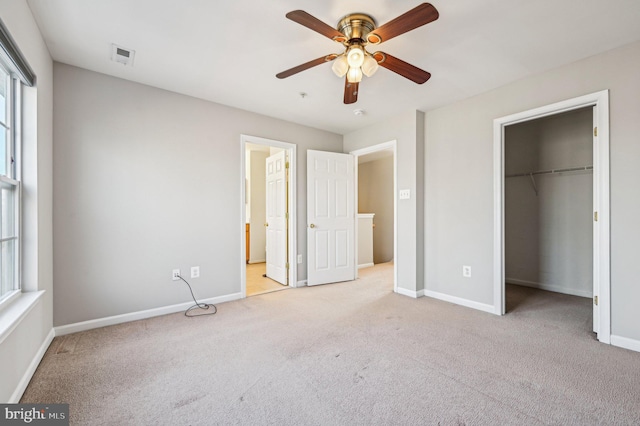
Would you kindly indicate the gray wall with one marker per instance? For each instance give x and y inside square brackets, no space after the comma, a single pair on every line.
[549,235]
[407,129]
[459,178]
[21,346]
[375,195]
[145,181]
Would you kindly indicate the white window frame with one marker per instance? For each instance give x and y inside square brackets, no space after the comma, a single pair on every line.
[12,124]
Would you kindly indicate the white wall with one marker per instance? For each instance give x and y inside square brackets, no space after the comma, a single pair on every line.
[145,181]
[408,130]
[20,348]
[375,195]
[549,235]
[459,178]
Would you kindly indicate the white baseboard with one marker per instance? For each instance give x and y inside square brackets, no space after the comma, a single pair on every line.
[134,316]
[26,378]
[252,261]
[551,287]
[460,301]
[365,265]
[625,342]
[302,283]
[410,293]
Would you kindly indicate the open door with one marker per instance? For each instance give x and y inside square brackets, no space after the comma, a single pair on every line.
[276,224]
[330,217]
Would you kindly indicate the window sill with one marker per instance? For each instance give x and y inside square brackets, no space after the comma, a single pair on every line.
[14,313]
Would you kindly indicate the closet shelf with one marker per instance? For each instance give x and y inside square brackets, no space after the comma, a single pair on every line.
[552,171]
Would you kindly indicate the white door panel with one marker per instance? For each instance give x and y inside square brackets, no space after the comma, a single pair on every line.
[330,217]
[276,217]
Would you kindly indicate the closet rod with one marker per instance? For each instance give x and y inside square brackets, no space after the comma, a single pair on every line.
[552,171]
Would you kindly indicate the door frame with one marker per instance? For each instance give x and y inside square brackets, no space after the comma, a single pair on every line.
[370,150]
[601,194]
[291,207]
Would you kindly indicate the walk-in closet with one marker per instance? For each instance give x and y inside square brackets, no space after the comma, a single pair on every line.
[549,209]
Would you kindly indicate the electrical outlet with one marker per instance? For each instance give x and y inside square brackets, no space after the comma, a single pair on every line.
[175,274]
[405,194]
[299,258]
[466,271]
[195,272]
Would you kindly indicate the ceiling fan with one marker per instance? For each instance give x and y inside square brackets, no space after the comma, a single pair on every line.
[356,31]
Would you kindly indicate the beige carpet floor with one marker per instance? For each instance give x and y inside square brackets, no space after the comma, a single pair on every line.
[352,353]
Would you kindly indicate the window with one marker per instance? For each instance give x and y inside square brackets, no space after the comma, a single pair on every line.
[9,184]
[15,73]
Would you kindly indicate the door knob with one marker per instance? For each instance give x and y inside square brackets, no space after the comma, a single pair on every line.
[266,224]
[312,226]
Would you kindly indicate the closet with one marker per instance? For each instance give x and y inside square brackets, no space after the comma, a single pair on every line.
[549,203]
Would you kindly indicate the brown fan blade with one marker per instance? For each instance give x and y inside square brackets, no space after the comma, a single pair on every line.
[313,23]
[416,17]
[401,67]
[306,66]
[350,92]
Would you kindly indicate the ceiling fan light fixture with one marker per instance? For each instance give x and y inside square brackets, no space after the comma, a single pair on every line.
[369,66]
[354,75]
[340,66]
[357,31]
[355,56]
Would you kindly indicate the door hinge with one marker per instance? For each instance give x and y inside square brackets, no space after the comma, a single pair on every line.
[286,215]
[595,131]
[595,300]
[287,266]
[595,216]
[286,165]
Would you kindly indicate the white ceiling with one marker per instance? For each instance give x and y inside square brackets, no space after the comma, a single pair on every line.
[230,51]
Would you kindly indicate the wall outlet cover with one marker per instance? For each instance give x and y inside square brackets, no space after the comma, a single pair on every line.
[175,274]
[195,272]
[466,271]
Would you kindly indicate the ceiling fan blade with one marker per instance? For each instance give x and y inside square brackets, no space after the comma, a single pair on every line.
[313,23]
[401,67]
[416,17]
[306,66]
[350,92]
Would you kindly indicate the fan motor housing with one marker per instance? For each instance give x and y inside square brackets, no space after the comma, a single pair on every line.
[356,26]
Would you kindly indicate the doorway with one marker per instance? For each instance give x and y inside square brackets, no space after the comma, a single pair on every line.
[332,197]
[548,217]
[268,216]
[376,195]
[526,199]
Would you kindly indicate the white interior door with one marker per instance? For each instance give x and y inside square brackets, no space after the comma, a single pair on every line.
[330,217]
[276,224]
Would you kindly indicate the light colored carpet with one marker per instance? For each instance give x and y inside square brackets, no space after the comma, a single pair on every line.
[352,353]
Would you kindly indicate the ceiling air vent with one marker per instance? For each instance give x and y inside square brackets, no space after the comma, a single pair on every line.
[122,55]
